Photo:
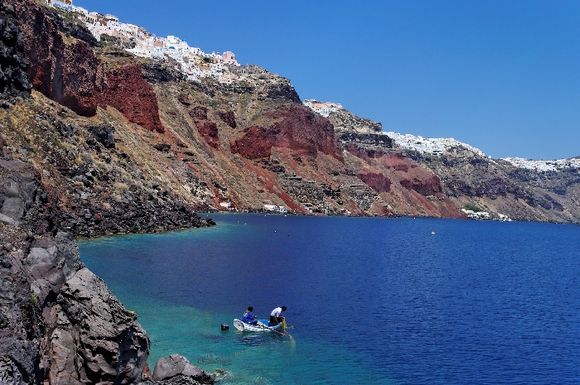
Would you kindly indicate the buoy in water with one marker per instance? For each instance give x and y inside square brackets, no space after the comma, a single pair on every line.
[225,327]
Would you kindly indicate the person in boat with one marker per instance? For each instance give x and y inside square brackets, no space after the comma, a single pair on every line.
[249,317]
[276,315]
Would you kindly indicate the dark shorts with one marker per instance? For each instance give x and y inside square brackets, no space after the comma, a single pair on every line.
[275,321]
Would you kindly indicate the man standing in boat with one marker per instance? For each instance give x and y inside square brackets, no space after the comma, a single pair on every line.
[276,315]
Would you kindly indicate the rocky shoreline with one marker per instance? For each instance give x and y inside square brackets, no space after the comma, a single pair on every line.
[58,321]
[95,141]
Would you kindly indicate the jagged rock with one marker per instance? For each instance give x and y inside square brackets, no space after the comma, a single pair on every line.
[67,70]
[263,84]
[62,70]
[18,360]
[205,126]
[59,321]
[428,186]
[161,72]
[229,118]
[104,134]
[13,64]
[9,372]
[175,365]
[198,113]
[344,120]
[96,339]
[209,132]
[13,208]
[376,181]
[17,192]
[163,147]
[374,141]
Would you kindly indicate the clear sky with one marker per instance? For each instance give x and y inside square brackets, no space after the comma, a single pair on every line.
[502,75]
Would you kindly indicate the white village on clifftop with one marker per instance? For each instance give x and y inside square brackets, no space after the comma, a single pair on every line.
[196,64]
[446,146]
[193,62]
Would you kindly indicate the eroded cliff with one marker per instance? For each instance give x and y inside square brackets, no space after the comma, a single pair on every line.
[111,143]
[62,175]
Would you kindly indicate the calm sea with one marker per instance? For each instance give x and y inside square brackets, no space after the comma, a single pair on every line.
[371,301]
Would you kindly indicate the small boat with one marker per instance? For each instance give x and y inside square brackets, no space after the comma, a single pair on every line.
[261,327]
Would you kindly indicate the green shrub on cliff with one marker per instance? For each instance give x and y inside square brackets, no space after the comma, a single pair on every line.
[473,207]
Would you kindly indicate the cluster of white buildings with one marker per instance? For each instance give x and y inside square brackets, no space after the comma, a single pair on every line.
[545,165]
[322,108]
[435,146]
[444,146]
[485,216]
[193,62]
[275,208]
[226,205]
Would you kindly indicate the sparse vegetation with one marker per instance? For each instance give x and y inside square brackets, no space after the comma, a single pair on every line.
[120,187]
[473,207]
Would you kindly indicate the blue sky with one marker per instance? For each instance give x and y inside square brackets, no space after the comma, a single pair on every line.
[502,75]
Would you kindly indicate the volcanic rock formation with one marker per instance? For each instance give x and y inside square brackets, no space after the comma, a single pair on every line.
[108,143]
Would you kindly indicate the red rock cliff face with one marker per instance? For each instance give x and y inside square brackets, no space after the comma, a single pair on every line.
[295,127]
[205,126]
[63,71]
[125,89]
[67,70]
[378,182]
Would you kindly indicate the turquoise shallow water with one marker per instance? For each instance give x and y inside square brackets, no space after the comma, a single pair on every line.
[372,301]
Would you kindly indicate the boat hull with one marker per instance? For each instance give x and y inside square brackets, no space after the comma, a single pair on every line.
[262,327]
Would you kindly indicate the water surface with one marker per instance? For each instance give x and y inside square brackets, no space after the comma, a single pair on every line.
[372,301]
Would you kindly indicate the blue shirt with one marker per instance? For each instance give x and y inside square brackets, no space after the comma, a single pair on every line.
[249,318]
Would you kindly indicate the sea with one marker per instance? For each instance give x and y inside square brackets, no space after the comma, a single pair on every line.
[370,300]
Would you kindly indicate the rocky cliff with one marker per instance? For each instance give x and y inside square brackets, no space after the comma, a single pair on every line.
[242,139]
[63,175]
[59,322]
[108,142]
[475,181]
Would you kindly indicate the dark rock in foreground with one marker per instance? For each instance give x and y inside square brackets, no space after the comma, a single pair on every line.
[177,369]
[58,321]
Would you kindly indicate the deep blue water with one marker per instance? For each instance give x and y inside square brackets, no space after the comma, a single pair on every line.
[372,301]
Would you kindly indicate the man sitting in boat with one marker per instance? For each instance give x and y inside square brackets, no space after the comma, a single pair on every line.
[276,316]
[249,316]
